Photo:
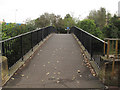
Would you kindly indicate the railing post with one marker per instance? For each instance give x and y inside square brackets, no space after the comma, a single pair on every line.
[42,34]
[31,42]
[104,48]
[91,48]
[21,48]
[37,38]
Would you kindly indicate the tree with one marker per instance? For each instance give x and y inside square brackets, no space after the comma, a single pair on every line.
[90,26]
[116,22]
[42,21]
[30,24]
[68,21]
[111,31]
[8,30]
[99,17]
[108,18]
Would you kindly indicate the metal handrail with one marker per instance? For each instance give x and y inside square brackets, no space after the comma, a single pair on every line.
[92,44]
[90,34]
[22,34]
[16,47]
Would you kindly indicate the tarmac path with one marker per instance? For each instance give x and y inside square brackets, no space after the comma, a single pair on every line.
[58,64]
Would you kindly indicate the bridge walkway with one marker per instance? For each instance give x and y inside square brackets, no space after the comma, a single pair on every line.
[57,64]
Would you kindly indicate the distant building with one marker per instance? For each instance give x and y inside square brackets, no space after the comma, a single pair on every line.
[119,9]
[16,24]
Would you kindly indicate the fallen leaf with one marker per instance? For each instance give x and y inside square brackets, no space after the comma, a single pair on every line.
[73,78]
[57,61]
[78,71]
[58,81]
[53,77]
[23,65]
[106,87]
[80,75]
[58,78]
[47,73]
[48,62]
[94,75]
[54,73]
[91,70]
[90,67]
[58,73]
[12,78]
[22,75]
[87,63]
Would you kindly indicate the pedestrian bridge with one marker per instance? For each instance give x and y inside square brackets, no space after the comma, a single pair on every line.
[44,59]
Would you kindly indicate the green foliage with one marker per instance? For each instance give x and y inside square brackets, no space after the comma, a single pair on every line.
[116,22]
[99,23]
[43,20]
[99,17]
[7,30]
[110,26]
[30,25]
[55,20]
[68,21]
[111,31]
[12,29]
[90,26]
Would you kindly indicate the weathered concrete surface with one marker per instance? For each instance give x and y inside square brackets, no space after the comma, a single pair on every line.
[55,66]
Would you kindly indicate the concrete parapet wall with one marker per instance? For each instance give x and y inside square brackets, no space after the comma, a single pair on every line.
[4,69]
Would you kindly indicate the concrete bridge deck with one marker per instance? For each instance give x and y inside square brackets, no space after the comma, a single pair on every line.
[56,65]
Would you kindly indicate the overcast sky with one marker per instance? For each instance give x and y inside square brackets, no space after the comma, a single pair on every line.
[20,10]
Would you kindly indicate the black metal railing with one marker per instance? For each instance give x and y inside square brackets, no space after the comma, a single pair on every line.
[92,44]
[16,47]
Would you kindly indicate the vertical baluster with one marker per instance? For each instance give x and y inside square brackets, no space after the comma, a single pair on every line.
[31,42]
[21,48]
